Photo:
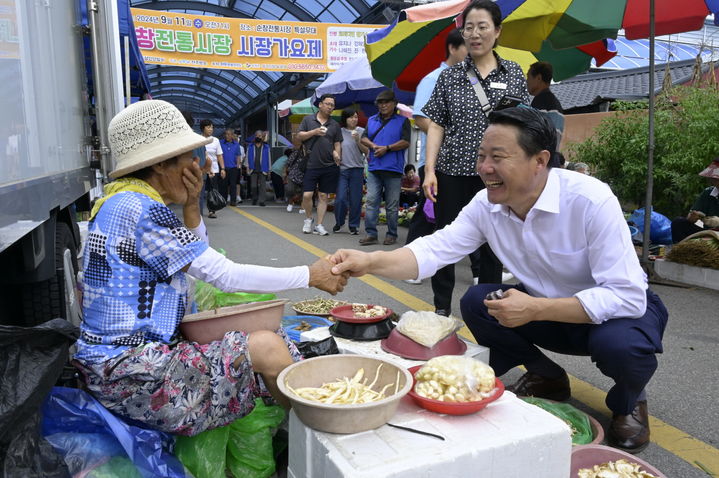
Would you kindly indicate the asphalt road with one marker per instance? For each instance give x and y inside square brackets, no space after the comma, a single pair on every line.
[682,395]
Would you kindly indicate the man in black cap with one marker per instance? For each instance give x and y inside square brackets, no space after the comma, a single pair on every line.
[387,136]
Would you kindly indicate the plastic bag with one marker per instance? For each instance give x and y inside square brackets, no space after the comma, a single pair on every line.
[215,201]
[327,346]
[428,211]
[427,328]
[88,436]
[244,446]
[577,420]
[454,378]
[32,360]
[209,297]
[660,228]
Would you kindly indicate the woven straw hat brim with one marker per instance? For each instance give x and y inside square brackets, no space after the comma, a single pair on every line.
[147,155]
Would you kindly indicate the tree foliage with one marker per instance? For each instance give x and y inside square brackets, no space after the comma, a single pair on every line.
[686,133]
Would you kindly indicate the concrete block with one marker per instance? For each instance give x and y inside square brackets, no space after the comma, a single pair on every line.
[373,348]
[686,274]
[508,439]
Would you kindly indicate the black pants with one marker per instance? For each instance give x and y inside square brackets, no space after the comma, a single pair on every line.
[278,185]
[418,225]
[624,349]
[229,184]
[258,184]
[681,228]
[455,192]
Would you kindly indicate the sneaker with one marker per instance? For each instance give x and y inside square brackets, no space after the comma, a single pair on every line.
[354,231]
[336,228]
[320,229]
[307,226]
[301,211]
[239,200]
[507,276]
[413,281]
[289,207]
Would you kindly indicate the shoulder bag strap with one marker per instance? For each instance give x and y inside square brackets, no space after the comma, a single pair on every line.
[479,91]
[384,123]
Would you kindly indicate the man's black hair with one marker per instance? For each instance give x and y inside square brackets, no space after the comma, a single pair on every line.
[454,38]
[205,122]
[542,68]
[536,131]
[408,168]
[324,97]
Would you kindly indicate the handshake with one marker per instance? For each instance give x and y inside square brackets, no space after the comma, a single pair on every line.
[332,272]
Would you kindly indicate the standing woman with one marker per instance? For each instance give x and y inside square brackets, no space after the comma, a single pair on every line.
[458,122]
[349,189]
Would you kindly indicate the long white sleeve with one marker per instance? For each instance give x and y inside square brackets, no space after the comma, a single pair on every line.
[228,276]
[201,231]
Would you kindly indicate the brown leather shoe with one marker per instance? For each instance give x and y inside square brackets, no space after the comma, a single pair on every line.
[389,240]
[630,432]
[368,241]
[533,385]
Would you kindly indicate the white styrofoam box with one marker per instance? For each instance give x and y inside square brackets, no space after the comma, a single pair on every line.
[508,439]
[373,348]
[701,276]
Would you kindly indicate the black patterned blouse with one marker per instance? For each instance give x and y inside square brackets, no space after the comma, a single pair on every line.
[454,106]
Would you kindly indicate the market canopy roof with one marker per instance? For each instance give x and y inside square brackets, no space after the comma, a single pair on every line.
[226,96]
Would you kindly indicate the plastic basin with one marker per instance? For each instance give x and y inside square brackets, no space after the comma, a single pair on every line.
[586,456]
[399,344]
[211,325]
[453,408]
[338,418]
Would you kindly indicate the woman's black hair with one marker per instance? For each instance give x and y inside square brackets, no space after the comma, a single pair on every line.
[536,131]
[347,113]
[491,7]
[488,5]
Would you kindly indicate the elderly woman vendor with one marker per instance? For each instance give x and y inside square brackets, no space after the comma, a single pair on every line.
[135,288]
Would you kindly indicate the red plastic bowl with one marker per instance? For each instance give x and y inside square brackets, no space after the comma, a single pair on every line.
[453,408]
[586,456]
[399,344]
[344,313]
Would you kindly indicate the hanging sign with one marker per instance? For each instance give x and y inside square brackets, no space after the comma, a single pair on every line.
[181,39]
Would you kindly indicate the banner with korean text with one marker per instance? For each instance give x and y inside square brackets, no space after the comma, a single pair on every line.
[181,39]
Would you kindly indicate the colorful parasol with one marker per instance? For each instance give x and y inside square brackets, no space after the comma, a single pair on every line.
[566,33]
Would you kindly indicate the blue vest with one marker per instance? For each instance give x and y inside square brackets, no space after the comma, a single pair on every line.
[264,160]
[390,134]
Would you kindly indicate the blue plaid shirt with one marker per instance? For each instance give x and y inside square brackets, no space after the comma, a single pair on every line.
[134,291]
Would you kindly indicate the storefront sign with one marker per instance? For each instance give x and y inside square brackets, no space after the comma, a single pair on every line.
[200,41]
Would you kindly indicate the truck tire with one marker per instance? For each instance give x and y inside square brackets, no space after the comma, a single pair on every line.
[56,297]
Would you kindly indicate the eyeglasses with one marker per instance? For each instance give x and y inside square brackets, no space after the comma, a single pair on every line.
[470,30]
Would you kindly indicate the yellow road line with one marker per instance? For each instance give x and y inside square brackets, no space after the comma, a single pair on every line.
[692,450]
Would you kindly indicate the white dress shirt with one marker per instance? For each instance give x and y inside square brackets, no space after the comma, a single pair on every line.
[573,242]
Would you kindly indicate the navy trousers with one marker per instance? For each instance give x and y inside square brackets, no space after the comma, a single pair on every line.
[623,348]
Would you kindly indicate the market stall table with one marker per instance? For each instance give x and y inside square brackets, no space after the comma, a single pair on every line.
[508,439]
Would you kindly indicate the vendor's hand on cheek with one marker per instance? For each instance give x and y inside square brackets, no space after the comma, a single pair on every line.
[513,310]
[192,178]
[321,277]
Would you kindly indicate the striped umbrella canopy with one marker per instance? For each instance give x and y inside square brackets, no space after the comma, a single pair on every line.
[566,33]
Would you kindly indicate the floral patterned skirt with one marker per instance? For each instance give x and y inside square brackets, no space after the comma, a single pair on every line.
[182,389]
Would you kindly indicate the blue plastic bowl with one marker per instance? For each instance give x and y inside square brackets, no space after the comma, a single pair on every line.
[289,322]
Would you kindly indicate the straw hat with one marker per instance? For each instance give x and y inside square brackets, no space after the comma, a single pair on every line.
[711,171]
[147,133]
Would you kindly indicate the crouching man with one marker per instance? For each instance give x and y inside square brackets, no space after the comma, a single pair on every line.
[581,289]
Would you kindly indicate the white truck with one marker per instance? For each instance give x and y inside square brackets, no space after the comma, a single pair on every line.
[61,71]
